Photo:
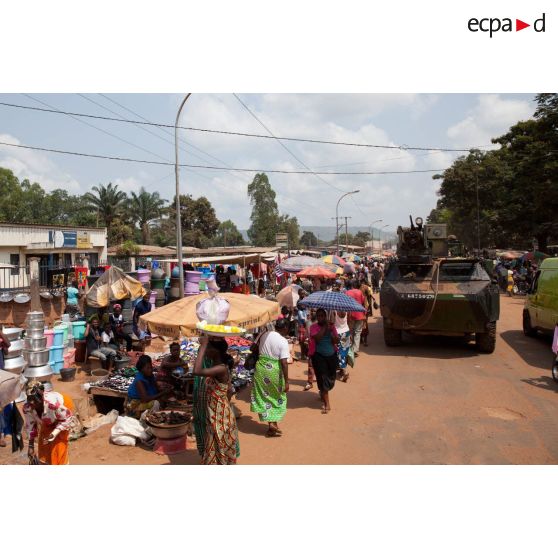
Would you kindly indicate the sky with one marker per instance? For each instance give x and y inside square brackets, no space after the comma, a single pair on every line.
[459,121]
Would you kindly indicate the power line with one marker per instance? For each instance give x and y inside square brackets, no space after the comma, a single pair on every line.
[244,134]
[270,171]
[169,133]
[97,128]
[149,132]
[284,146]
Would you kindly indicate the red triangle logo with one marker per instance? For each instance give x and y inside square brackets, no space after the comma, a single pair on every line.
[519,25]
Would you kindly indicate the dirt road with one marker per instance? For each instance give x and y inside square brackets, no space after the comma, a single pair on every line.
[430,401]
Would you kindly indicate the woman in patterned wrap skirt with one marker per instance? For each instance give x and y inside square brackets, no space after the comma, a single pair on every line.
[219,431]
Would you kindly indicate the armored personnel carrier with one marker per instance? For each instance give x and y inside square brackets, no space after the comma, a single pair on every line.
[425,292]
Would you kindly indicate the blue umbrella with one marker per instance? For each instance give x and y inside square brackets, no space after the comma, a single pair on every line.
[332,300]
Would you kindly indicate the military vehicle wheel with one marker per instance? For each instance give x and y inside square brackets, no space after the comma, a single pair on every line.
[528,329]
[392,337]
[486,342]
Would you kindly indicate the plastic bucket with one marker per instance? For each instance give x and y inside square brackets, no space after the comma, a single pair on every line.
[157,283]
[64,328]
[56,353]
[70,358]
[58,337]
[143,275]
[78,330]
[49,334]
[57,365]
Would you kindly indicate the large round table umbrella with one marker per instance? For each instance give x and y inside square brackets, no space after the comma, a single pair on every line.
[298,263]
[332,300]
[320,272]
[289,296]
[333,259]
[179,317]
[510,255]
[353,258]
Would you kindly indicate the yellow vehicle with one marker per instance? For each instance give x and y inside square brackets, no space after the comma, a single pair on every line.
[541,305]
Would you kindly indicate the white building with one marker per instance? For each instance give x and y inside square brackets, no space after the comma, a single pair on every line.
[54,245]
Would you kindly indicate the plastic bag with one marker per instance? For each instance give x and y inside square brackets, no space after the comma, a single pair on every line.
[214,310]
[126,430]
[351,357]
[97,422]
[555,341]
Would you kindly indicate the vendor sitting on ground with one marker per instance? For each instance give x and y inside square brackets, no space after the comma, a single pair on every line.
[94,344]
[142,307]
[171,363]
[116,320]
[143,393]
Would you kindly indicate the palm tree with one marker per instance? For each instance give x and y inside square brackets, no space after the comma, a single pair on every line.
[146,207]
[108,202]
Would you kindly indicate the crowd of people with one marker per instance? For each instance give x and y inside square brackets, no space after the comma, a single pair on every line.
[329,343]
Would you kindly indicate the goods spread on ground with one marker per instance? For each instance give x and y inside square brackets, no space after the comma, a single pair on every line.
[119,380]
[168,418]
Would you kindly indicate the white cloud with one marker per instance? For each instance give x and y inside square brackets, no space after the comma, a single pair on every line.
[491,117]
[35,166]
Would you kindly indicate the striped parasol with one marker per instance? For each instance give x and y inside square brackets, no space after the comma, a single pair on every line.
[333,259]
[353,258]
[331,300]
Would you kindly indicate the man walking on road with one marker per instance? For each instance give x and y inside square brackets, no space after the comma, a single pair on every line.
[356,319]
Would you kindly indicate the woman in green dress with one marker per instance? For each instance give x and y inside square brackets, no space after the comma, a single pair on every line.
[271,379]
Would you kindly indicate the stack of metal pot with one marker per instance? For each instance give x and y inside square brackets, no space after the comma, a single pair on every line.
[13,359]
[35,350]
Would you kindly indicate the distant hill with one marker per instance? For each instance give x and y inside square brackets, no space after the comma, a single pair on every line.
[328,232]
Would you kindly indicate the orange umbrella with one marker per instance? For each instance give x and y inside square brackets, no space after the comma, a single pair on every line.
[317,272]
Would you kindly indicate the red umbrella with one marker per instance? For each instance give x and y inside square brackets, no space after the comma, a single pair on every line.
[320,272]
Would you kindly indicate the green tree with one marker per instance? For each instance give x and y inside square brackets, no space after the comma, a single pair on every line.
[361,238]
[308,239]
[119,233]
[198,220]
[107,201]
[530,149]
[289,225]
[265,213]
[228,235]
[145,208]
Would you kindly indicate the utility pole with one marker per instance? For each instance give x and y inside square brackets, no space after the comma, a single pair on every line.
[339,226]
[177,194]
[346,234]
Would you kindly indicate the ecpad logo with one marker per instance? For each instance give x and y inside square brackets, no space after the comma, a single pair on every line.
[493,25]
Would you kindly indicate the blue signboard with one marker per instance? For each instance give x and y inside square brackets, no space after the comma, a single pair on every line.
[63,239]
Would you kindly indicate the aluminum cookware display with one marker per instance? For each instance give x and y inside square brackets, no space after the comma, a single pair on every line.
[35,315]
[38,372]
[36,324]
[34,344]
[36,358]
[35,333]
[15,349]
[15,365]
[12,333]
[22,298]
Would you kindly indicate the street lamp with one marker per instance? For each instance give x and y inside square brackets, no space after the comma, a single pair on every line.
[178,217]
[372,231]
[337,216]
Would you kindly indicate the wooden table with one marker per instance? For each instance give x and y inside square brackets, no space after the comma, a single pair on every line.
[107,392]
